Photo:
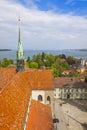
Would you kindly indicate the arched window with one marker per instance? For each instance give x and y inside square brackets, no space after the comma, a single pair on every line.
[48,98]
[40,98]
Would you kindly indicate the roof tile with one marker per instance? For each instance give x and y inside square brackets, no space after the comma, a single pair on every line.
[40,117]
[6,74]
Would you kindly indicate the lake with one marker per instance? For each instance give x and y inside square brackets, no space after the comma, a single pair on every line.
[12,54]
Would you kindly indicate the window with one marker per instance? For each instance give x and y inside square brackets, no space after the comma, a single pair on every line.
[40,98]
[68,96]
[71,90]
[64,90]
[77,90]
[48,98]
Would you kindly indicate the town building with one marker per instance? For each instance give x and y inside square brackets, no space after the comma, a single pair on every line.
[69,88]
[67,72]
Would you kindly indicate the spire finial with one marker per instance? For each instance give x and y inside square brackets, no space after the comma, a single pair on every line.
[19,18]
[19,39]
[19,21]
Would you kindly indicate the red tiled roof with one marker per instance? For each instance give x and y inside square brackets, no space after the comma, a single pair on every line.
[67,71]
[69,81]
[13,103]
[63,81]
[40,117]
[41,79]
[6,74]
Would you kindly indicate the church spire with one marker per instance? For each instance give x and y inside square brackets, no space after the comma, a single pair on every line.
[20,48]
[19,40]
[20,53]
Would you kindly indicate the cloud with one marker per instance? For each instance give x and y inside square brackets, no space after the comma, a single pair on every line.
[40,29]
[69,1]
[74,1]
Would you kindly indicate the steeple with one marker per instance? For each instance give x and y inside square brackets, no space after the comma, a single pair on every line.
[20,53]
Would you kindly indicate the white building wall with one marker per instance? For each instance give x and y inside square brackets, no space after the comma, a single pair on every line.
[80,93]
[36,93]
[57,93]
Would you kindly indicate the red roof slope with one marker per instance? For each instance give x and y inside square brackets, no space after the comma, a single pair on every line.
[41,79]
[14,102]
[68,81]
[40,117]
[6,74]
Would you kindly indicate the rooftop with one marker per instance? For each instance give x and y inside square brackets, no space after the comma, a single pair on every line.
[41,79]
[39,116]
[60,82]
[14,100]
[6,75]
[15,95]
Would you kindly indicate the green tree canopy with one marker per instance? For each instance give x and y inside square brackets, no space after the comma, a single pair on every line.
[33,65]
[6,62]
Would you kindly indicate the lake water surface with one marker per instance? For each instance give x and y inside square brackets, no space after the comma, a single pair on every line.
[12,54]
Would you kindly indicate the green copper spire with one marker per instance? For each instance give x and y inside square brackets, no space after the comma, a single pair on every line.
[20,53]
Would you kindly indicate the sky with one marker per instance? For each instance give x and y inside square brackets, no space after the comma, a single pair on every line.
[45,24]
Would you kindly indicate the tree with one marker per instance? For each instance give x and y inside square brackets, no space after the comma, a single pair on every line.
[0,64]
[28,59]
[55,71]
[50,59]
[73,74]
[6,62]
[26,64]
[37,59]
[71,60]
[10,61]
[33,65]
[65,65]
[63,56]
[61,65]
[43,56]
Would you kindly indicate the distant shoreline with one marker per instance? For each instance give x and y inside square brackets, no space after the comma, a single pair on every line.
[5,50]
[82,49]
[11,54]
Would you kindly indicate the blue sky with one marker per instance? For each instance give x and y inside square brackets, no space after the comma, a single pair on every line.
[45,24]
[78,7]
